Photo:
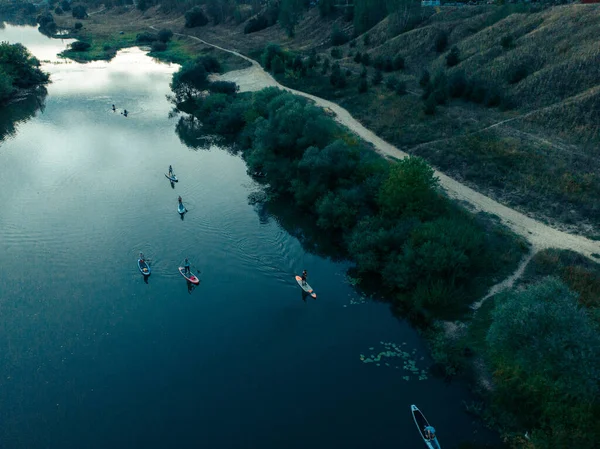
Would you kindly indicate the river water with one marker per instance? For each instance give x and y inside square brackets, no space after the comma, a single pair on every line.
[92,356]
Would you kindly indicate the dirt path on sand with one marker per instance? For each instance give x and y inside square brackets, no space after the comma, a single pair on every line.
[538,234]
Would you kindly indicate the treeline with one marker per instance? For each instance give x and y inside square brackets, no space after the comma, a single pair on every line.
[18,70]
[392,220]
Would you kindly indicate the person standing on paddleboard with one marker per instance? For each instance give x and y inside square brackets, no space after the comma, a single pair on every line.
[170,171]
[186,267]
[304,276]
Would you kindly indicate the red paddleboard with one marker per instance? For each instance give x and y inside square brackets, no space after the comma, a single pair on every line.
[189,276]
[307,288]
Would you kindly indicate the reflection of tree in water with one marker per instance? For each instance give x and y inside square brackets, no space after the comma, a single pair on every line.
[20,110]
[301,226]
[191,133]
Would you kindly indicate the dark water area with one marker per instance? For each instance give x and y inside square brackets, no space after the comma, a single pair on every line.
[92,356]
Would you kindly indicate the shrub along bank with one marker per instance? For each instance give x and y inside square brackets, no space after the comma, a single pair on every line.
[429,254]
[18,70]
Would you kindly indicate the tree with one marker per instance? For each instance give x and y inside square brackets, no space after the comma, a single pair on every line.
[159,46]
[368,13]
[65,5]
[425,78]
[165,35]
[453,57]
[364,73]
[189,81]
[398,63]
[195,17]
[79,12]
[441,41]
[366,59]
[410,189]
[289,15]
[58,10]
[544,348]
[80,46]
[326,7]
[277,65]
[377,78]
[338,37]
[357,57]
[362,86]
[78,25]
[401,88]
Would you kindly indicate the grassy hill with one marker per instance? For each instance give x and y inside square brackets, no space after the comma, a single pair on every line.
[533,78]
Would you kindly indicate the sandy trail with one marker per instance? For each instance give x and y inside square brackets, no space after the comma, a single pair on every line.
[540,236]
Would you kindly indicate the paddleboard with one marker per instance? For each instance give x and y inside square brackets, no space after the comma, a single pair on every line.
[172,178]
[144,267]
[189,276]
[421,423]
[181,208]
[307,288]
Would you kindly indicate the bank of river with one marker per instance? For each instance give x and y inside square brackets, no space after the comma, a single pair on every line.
[95,357]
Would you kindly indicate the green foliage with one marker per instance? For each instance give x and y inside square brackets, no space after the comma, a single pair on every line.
[337,77]
[544,349]
[78,25]
[58,10]
[338,37]
[47,24]
[165,35]
[517,73]
[195,17]
[189,81]
[363,86]
[326,7]
[336,53]
[290,12]
[277,65]
[398,63]
[79,12]
[410,189]
[401,88]
[441,41]
[430,105]
[363,73]
[391,83]
[507,42]
[325,66]
[65,5]
[263,20]
[425,78]
[358,57]
[269,53]
[368,13]
[80,46]
[366,59]
[146,37]
[158,46]
[223,87]
[389,217]
[377,78]
[453,58]
[18,66]
[6,85]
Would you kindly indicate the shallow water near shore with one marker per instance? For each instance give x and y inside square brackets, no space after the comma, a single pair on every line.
[93,356]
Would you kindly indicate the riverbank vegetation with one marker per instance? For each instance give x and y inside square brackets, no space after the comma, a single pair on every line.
[533,350]
[18,70]
[459,72]
[429,255]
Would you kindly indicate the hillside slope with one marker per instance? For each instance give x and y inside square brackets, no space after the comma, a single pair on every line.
[537,152]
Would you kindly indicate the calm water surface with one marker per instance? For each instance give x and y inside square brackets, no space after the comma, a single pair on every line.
[94,357]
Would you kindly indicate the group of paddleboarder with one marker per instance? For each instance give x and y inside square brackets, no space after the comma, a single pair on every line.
[124,111]
[185,270]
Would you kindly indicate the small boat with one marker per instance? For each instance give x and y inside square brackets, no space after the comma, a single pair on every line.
[172,177]
[307,288]
[421,422]
[181,208]
[144,267]
[189,276]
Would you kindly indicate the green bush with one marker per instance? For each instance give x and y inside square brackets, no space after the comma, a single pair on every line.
[441,41]
[79,12]
[544,349]
[507,42]
[165,35]
[78,25]
[336,53]
[195,17]
[65,5]
[366,59]
[145,38]
[358,57]
[425,78]
[159,46]
[398,63]
[453,58]
[377,78]
[401,88]
[338,37]
[362,86]
[80,46]
[391,83]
